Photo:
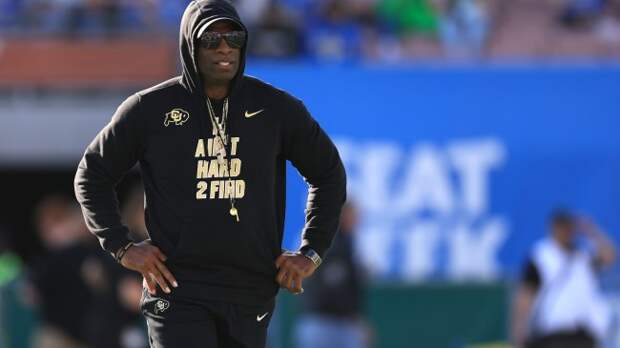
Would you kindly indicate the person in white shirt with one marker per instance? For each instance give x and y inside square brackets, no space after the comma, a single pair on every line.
[558,303]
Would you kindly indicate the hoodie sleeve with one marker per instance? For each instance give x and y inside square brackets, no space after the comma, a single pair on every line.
[113,152]
[316,158]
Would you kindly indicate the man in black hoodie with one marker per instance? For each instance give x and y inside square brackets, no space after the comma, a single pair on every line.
[212,146]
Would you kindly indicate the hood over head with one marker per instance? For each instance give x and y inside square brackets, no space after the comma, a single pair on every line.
[198,15]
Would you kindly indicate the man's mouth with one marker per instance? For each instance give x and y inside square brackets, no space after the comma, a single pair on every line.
[224,63]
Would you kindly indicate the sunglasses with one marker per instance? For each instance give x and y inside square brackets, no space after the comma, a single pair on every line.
[212,39]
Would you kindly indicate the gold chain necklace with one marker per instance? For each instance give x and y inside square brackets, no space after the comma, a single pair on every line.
[222,156]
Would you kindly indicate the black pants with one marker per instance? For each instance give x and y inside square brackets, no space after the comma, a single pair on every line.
[575,339]
[182,323]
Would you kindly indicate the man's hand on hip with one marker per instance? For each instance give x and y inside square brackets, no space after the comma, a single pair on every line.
[149,261]
[293,269]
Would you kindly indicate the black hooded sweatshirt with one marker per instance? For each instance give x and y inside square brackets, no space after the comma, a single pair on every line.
[167,130]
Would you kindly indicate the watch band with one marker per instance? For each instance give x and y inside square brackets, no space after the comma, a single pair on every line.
[312,255]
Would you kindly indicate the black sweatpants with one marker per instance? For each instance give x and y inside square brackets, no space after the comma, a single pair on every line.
[183,323]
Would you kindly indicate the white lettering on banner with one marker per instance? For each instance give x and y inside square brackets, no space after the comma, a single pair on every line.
[376,250]
[426,183]
[472,253]
[474,161]
[378,164]
[421,245]
[431,204]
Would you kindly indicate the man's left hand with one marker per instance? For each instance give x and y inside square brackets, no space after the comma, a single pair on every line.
[293,269]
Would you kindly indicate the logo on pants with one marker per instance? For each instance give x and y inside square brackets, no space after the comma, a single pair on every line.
[161,306]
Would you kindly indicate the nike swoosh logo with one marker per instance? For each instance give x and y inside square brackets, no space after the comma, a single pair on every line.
[261,317]
[248,115]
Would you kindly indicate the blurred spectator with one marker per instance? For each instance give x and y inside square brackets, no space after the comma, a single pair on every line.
[333,32]
[414,24]
[333,297]
[558,303]
[115,319]
[134,331]
[252,12]
[89,17]
[93,15]
[8,9]
[10,263]
[408,16]
[463,27]
[10,269]
[170,13]
[276,35]
[582,12]
[62,294]
[354,30]
[84,297]
[133,214]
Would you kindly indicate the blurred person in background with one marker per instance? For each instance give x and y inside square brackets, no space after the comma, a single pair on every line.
[84,298]
[13,330]
[9,13]
[333,302]
[134,332]
[72,17]
[407,17]
[103,16]
[10,270]
[463,27]
[277,34]
[414,23]
[10,262]
[133,214]
[252,12]
[333,33]
[58,287]
[77,18]
[558,303]
[196,164]
[115,319]
[129,284]
[582,13]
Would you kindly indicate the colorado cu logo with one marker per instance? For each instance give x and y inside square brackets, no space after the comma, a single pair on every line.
[161,306]
[176,116]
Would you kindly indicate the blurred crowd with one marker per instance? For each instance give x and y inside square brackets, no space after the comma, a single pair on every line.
[81,297]
[74,295]
[369,30]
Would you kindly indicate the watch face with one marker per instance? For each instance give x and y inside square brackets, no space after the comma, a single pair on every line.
[312,255]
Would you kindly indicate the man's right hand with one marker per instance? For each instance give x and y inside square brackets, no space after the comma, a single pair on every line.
[147,259]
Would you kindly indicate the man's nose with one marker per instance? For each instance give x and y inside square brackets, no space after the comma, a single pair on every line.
[223,47]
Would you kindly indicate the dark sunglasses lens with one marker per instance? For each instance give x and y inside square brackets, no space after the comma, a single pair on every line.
[235,39]
[210,40]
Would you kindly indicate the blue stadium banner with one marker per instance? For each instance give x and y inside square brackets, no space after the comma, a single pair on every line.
[455,169]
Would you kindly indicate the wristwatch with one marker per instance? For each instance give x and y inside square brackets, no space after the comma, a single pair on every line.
[312,255]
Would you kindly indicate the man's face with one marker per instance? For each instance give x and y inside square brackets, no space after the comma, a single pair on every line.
[219,65]
[564,233]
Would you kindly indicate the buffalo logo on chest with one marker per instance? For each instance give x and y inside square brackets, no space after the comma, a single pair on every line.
[176,116]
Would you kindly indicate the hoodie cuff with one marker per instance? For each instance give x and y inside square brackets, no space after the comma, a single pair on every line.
[113,244]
